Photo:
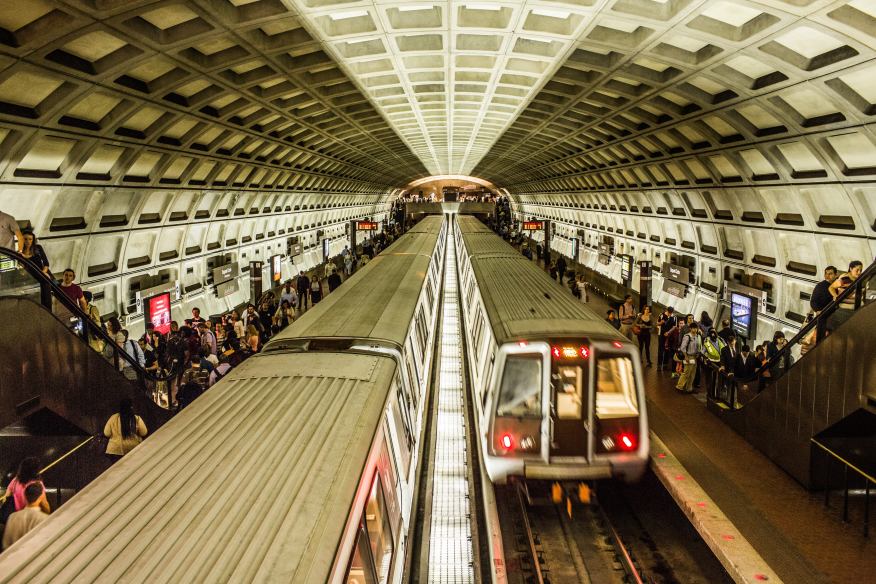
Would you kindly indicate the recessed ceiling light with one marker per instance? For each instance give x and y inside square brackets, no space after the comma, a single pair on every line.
[348,14]
[408,8]
[551,13]
[481,6]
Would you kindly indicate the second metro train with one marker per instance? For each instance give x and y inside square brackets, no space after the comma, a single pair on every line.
[558,392]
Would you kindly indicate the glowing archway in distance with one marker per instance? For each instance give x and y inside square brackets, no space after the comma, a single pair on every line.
[460,177]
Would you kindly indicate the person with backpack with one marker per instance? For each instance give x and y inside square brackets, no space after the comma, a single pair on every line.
[132,348]
[689,348]
[94,341]
[208,339]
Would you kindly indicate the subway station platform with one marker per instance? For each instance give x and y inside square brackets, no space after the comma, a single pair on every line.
[798,537]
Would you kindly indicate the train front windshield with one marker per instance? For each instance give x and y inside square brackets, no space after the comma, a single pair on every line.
[615,388]
[520,393]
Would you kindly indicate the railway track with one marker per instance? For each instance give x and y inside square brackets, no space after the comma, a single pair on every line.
[564,542]
[600,542]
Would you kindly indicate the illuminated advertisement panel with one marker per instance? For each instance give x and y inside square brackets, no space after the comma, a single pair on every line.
[158,312]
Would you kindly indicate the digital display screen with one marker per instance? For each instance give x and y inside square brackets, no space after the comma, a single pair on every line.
[366,225]
[158,312]
[276,268]
[741,314]
[533,225]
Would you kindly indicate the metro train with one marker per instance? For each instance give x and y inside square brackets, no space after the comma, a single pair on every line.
[299,466]
[558,392]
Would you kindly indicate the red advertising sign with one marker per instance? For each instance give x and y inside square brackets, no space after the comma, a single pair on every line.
[533,225]
[158,312]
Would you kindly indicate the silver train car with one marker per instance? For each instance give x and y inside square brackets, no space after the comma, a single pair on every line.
[558,392]
[298,466]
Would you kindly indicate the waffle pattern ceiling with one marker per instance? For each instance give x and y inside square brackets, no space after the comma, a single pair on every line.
[450,76]
[683,92]
[206,92]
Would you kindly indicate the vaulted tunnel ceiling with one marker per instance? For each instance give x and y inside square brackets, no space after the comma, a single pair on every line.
[563,95]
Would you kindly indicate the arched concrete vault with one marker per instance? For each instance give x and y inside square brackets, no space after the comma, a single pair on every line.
[140,137]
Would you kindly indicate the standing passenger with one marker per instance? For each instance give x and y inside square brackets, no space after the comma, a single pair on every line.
[315,290]
[21,522]
[627,316]
[303,285]
[690,348]
[125,430]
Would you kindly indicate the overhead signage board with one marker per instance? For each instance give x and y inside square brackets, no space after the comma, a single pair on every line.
[676,273]
[366,225]
[533,225]
[760,296]
[225,273]
[677,289]
[226,288]
[626,268]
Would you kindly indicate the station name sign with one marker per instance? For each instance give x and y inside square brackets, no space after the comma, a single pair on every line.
[366,225]
[533,225]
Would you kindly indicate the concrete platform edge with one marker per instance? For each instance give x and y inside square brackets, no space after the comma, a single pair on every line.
[736,554]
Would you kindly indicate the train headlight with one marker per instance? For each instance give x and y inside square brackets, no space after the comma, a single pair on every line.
[608,442]
[528,443]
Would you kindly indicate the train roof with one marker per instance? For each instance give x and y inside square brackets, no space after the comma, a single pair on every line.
[379,300]
[521,300]
[254,482]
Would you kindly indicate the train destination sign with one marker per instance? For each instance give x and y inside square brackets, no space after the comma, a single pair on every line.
[366,225]
[533,225]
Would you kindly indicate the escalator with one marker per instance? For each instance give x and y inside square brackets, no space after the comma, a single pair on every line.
[834,380]
[56,391]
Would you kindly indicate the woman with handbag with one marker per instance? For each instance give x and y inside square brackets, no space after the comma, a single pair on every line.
[642,331]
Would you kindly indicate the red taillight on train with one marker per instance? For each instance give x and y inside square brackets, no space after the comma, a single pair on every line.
[584,352]
[627,441]
[555,351]
[617,344]
[507,441]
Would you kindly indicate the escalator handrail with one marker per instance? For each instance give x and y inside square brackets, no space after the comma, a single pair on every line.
[49,285]
[822,317]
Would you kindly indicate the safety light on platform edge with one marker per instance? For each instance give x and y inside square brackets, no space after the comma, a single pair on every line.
[507,441]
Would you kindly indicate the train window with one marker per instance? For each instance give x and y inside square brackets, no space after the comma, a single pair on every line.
[520,392]
[569,382]
[379,532]
[615,388]
[422,332]
[372,554]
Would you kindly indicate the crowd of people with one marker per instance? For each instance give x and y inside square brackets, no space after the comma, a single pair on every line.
[184,363]
[692,350]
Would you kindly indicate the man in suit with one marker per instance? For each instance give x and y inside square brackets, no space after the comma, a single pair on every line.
[747,364]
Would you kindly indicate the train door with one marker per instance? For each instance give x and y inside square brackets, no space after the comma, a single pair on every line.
[569,397]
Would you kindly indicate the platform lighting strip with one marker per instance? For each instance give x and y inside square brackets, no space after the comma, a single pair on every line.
[450,541]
